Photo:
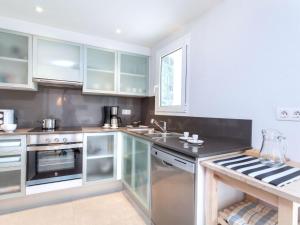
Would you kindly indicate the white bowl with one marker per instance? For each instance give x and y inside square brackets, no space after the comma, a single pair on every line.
[9,127]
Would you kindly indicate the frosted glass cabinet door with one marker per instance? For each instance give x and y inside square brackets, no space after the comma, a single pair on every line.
[134,70]
[142,171]
[57,60]
[100,145]
[99,156]
[15,60]
[127,160]
[100,71]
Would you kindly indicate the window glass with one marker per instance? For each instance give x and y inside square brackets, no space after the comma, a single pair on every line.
[171,79]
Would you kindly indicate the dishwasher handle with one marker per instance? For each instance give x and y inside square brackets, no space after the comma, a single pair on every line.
[166,163]
[169,160]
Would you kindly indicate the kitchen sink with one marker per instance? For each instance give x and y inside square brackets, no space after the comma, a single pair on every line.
[150,132]
[162,135]
[141,130]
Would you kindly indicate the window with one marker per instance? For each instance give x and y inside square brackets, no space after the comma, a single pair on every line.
[171,95]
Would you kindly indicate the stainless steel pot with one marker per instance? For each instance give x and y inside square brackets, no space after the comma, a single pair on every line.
[48,124]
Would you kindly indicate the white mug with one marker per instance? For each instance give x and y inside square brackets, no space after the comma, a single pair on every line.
[186,134]
[195,137]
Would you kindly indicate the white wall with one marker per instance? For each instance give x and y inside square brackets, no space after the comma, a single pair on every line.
[245,62]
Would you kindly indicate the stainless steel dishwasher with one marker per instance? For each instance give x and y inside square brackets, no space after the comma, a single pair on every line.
[172,188]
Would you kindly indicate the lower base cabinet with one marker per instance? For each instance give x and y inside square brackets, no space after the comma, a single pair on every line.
[136,168]
[12,166]
[99,157]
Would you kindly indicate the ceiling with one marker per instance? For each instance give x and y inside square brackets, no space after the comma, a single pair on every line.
[142,22]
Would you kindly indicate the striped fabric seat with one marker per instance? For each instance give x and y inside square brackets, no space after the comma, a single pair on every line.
[251,166]
[249,213]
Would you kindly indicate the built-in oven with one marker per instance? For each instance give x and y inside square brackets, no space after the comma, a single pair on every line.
[53,158]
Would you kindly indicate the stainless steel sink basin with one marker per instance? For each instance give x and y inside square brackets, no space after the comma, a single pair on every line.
[151,133]
[162,135]
[141,130]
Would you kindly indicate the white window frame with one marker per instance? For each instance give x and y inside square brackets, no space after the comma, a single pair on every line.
[184,44]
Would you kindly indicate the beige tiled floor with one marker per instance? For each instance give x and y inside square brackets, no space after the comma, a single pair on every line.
[112,209]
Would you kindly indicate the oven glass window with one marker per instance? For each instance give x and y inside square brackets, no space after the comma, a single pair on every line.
[55,160]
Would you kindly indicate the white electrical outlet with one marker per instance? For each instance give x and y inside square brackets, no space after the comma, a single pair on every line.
[288,114]
[282,114]
[126,112]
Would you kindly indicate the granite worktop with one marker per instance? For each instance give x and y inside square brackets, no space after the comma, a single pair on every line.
[212,145]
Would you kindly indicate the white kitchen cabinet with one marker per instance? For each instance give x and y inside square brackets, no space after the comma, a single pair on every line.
[16,61]
[99,157]
[100,72]
[136,168]
[111,72]
[134,72]
[57,61]
[12,166]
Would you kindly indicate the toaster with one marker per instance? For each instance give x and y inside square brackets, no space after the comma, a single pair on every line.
[6,116]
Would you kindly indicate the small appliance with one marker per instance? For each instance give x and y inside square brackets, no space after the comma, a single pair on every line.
[6,116]
[107,115]
[115,121]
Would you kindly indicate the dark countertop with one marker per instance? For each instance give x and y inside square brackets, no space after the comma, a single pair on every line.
[211,146]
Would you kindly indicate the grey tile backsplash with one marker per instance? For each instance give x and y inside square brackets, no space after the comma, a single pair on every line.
[72,108]
[206,127]
[69,106]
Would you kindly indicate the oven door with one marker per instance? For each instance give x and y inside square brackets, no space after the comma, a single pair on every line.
[47,164]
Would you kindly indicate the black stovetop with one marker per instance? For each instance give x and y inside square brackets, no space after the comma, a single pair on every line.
[66,129]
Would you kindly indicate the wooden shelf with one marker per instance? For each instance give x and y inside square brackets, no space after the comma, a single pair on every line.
[13,59]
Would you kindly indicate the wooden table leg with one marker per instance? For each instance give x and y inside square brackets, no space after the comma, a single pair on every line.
[287,212]
[211,198]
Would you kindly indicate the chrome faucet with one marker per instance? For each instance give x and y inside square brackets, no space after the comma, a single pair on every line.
[162,128]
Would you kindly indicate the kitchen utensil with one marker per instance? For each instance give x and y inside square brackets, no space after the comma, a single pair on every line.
[185,138]
[193,141]
[48,124]
[8,127]
[273,148]
[195,137]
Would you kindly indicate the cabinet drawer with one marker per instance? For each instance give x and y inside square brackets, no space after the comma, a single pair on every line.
[12,145]
[10,163]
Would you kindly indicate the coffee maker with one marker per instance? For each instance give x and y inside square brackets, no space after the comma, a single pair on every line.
[115,121]
[111,118]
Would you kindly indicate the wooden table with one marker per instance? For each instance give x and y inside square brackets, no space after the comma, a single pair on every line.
[286,198]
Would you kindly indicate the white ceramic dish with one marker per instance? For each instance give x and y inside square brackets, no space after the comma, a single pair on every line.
[9,127]
[184,138]
[192,141]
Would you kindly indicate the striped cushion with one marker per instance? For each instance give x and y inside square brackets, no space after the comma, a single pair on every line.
[249,213]
[251,166]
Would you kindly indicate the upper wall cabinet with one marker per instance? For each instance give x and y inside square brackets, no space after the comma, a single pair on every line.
[100,73]
[110,72]
[15,61]
[57,61]
[134,72]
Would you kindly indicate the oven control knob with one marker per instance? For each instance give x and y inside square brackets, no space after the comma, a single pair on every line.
[56,140]
[65,140]
[48,140]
